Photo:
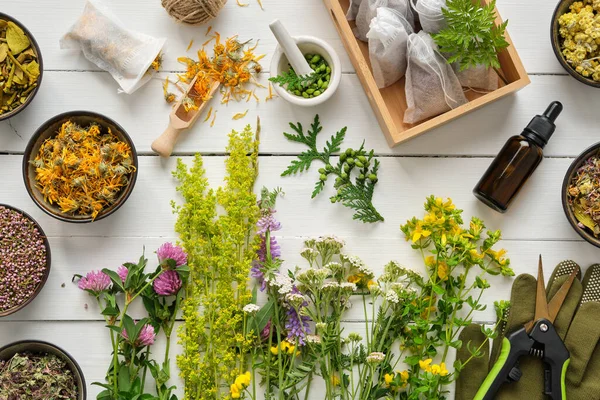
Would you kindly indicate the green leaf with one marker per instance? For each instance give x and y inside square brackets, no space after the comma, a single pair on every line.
[184,272]
[129,326]
[123,379]
[114,277]
[262,317]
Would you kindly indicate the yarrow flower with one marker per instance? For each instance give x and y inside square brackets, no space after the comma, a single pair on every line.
[392,297]
[122,271]
[315,339]
[94,281]
[375,358]
[251,309]
[167,284]
[169,251]
[145,338]
[282,282]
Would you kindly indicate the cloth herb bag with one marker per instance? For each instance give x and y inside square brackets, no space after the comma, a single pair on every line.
[368,10]
[388,38]
[432,87]
[104,40]
[479,77]
[430,14]
[353,9]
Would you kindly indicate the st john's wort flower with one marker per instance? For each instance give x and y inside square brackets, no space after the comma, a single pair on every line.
[122,271]
[167,284]
[145,338]
[170,251]
[95,281]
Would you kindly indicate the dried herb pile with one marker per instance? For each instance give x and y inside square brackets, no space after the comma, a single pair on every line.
[19,68]
[22,259]
[36,377]
[584,197]
[83,170]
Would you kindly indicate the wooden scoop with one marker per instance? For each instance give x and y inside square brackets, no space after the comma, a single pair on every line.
[179,120]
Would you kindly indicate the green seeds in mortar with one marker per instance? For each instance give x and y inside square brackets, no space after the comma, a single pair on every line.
[308,86]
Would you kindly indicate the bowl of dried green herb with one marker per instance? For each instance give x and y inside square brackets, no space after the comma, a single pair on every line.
[21,67]
[80,166]
[581,194]
[36,370]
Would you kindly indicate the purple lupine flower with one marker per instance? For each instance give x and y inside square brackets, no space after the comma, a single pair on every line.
[169,251]
[168,283]
[274,247]
[95,281]
[122,271]
[145,338]
[268,223]
[297,326]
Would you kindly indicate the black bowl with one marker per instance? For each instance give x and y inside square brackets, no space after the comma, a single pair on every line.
[36,49]
[48,262]
[36,346]
[562,8]
[583,157]
[50,128]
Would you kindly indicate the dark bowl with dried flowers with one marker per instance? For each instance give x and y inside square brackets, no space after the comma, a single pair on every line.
[558,42]
[579,200]
[29,58]
[80,166]
[25,271]
[42,366]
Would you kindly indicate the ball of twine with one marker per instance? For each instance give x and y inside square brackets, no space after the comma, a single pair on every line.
[193,12]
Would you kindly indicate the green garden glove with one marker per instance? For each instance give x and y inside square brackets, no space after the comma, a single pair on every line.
[578,323]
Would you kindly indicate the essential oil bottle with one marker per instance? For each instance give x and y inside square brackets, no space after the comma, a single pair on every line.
[517,160]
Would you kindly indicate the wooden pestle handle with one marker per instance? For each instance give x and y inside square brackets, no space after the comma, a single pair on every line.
[164,144]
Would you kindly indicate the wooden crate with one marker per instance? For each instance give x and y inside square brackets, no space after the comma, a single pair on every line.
[389,104]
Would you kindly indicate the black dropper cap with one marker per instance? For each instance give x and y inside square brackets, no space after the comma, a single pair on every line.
[541,127]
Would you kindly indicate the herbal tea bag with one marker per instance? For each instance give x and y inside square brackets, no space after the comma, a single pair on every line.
[104,40]
[430,14]
[368,10]
[353,10]
[388,39]
[479,77]
[432,87]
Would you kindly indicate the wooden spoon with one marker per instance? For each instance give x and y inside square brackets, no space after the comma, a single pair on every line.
[179,120]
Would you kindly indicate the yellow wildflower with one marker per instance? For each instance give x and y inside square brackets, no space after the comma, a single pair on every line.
[235,391]
[442,271]
[274,350]
[335,380]
[430,261]
[444,205]
[243,380]
[419,232]
[388,379]
[425,365]
[475,254]
[443,370]
[435,369]
[354,279]
[404,375]
[371,283]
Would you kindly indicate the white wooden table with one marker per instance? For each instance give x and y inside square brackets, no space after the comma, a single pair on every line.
[446,162]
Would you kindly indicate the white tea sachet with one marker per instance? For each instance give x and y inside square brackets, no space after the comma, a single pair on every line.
[479,77]
[104,40]
[353,9]
[432,87]
[368,10]
[430,14]
[388,38]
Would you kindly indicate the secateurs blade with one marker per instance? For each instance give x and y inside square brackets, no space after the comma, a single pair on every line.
[537,338]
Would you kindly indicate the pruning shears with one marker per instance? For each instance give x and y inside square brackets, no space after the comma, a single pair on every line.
[537,338]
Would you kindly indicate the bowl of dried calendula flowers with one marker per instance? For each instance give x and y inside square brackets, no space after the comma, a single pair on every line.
[80,166]
[37,370]
[21,67]
[574,35]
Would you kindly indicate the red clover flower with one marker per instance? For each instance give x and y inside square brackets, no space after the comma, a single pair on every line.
[168,283]
[95,281]
[170,251]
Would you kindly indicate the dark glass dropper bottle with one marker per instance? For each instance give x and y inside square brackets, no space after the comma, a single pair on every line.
[517,160]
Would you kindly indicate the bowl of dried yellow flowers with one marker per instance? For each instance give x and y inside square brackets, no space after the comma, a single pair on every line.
[21,67]
[574,39]
[80,166]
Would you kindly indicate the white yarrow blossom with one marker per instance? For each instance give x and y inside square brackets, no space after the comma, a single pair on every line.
[251,308]
[392,297]
[375,357]
[280,281]
[316,339]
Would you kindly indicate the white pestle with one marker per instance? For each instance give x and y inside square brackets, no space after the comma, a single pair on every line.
[291,49]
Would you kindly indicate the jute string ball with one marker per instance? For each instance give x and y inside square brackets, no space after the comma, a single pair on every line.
[193,12]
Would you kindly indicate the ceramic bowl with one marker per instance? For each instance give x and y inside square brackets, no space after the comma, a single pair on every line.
[48,262]
[561,8]
[308,45]
[49,129]
[35,346]
[594,150]
[37,51]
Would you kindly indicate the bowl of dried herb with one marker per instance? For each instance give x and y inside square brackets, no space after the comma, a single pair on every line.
[581,194]
[21,67]
[36,370]
[24,260]
[80,166]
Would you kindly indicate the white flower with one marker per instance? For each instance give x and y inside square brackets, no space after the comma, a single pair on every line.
[349,286]
[397,286]
[320,326]
[331,240]
[335,267]
[392,297]
[295,299]
[322,273]
[316,339]
[375,289]
[282,282]
[332,286]
[308,253]
[251,309]
[375,358]
[355,337]
[359,265]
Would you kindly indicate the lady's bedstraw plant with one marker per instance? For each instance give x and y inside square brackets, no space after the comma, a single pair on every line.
[131,340]
[221,249]
[458,259]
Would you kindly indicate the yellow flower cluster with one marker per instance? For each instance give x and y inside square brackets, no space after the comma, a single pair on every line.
[286,348]
[361,280]
[580,30]
[435,369]
[241,382]
[397,380]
